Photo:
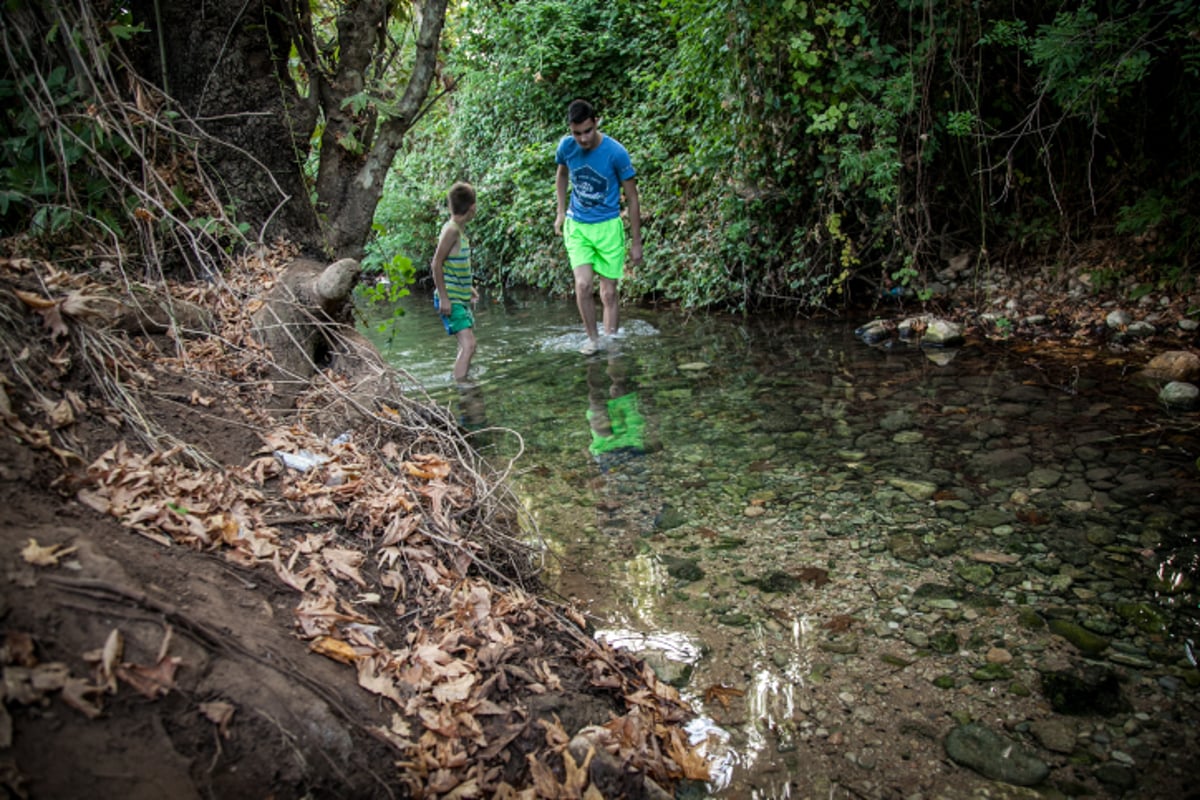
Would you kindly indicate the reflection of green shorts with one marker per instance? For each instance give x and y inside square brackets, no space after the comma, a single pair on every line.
[627,424]
[460,317]
[601,244]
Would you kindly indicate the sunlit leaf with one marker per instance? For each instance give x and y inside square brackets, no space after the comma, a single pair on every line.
[45,556]
[336,649]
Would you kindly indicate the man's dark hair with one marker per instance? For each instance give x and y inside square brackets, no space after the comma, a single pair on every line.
[462,197]
[580,111]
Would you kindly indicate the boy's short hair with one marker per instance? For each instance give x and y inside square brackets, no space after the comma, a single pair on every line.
[580,111]
[462,197]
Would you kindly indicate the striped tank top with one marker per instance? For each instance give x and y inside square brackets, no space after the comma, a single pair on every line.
[457,271]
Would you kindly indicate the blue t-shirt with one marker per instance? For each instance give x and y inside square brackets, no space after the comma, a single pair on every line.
[596,177]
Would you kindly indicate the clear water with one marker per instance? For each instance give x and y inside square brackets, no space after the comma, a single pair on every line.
[692,475]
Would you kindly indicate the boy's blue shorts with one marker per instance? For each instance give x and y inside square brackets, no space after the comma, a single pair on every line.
[459,319]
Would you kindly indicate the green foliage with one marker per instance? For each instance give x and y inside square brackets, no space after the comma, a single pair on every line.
[1084,61]
[789,150]
[1168,228]
[388,284]
[53,144]
[392,279]
[222,228]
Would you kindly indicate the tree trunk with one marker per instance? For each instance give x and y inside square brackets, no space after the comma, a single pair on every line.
[350,184]
[306,324]
[224,65]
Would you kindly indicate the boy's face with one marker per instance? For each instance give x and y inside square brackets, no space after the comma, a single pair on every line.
[586,134]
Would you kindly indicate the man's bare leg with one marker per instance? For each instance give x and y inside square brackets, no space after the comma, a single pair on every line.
[584,299]
[608,298]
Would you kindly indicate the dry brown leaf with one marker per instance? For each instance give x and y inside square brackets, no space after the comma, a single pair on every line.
[399,527]
[318,615]
[576,616]
[220,714]
[345,563]
[78,693]
[454,691]
[45,556]
[467,790]
[34,301]
[50,677]
[18,649]
[442,781]
[839,623]
[427,466]
[689,759]
[556,734]
[722,694]
[313,543]
[61,414]
[110,659]
[546,676]
[17,686]
[576,775]
[80,305]
[544,782]
[441,721]
[383,685]
[398,735]
[438,493]
[52,318]
[335,649]
[815,575]
[152,682]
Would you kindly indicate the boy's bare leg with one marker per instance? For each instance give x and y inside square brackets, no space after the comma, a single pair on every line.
[584,299]
[608,298]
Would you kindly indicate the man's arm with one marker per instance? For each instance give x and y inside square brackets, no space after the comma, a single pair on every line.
[562,177]
[633,204]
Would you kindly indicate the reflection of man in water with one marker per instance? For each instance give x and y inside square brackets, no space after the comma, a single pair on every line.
[618,427]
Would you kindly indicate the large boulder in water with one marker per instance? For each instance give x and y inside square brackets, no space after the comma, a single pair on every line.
[1173,365]
[994,756]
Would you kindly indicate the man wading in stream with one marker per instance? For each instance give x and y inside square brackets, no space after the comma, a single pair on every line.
[597,168]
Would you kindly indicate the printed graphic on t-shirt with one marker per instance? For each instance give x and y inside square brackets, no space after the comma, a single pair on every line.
[590,187]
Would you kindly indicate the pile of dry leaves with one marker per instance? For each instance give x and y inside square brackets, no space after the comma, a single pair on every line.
[410,563]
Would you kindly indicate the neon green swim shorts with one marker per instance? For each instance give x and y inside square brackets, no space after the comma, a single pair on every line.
[601,244]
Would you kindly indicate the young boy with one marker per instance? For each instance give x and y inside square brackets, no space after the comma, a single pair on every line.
[451,269]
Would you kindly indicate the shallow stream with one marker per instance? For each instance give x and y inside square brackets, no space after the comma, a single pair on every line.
[746,501]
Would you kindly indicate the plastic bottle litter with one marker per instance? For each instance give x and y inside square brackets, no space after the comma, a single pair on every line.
[302,461]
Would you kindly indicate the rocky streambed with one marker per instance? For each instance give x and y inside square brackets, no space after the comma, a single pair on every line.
[929,583]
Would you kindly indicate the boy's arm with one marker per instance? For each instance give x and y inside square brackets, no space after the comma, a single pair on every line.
[634,204]
[446,244]
[562,178]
